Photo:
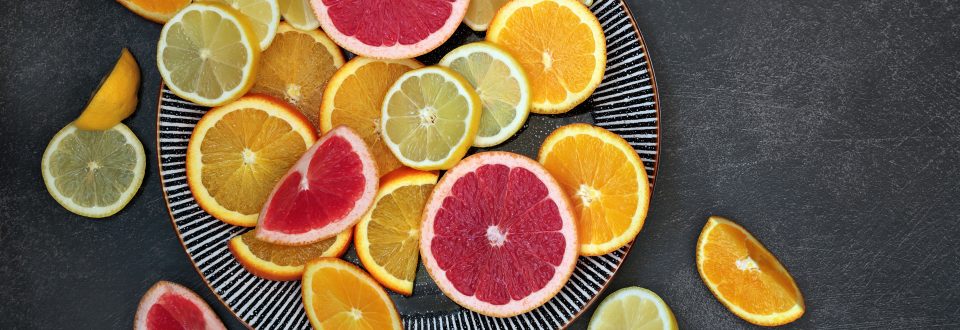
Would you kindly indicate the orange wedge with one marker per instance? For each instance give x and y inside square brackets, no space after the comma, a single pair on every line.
[339,295]
[745,276]
[388,236]
[606,181]
[159,11]
[282,262]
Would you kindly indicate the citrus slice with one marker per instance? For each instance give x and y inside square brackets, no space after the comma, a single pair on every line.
[480,13]
[297,67]
[498,234]
[388,236]
[500,83]
[263,16]
[115,99]
[430,117]
[158,11]
[561,46]
[354,97]
[168,305]
[299,14]
[606,180]
[745,276]
[326,192]
[390,29]
[208,54]
[633,308]
[239,151]
[339,295]
[283,262]
[93,173]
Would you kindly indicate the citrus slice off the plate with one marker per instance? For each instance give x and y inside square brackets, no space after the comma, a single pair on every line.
[115,99]
[283,262]
[158,11]
[633,308]
[339,295]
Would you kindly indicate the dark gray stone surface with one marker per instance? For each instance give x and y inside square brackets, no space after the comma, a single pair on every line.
[827,128]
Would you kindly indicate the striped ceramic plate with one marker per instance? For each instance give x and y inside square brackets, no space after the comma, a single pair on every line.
[625,103]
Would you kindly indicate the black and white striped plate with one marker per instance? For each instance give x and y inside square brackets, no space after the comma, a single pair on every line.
[625,103]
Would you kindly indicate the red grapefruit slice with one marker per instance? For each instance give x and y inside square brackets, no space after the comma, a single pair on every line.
[498,234]
[169,305]
[390,29]
[324,193]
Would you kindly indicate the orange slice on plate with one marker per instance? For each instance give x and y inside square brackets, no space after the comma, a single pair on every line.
[606,181]
[158,11]
[339,295]
[283,262]
[238,153]
[745,276]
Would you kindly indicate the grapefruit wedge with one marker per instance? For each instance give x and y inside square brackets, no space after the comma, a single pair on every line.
[168,305]
[498,234]
[324,193]
[390,29]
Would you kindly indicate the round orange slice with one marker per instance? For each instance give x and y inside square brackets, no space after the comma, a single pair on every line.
[388,237]
[339,295]
[606,181]
[158,11]
[353,98]
[745,276]
[238,152]
[283,262]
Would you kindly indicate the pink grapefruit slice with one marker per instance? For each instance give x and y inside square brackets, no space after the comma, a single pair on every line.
[390,29]
[326,192]
[168,305]
[498,234]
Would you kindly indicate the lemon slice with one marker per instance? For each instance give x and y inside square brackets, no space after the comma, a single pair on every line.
[93,173]
[481,12]
[115,99]
[208,54]
[263,16]
[501,84]
[299,13]
[429,118]
[633,308]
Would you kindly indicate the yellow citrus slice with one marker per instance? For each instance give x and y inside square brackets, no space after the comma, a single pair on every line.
[388,236]
[500,83]
[93,173]
[606,180]
[480,13]
[633,308]
[745,276]
[158,11]
[430,117]
[263,16]
[208,54]
[115,99]
[297,67]
[339,295]
[283,262]
[299,13]
[238,153]
[561,46]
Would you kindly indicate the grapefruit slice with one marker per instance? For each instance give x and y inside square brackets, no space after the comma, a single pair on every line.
[323,194]
[498,234]
[390,29]
[168,305]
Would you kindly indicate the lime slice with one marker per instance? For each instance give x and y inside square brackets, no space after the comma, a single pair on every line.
[263,16]
[208,54]
[430,117]
[93,173]
[501,84]
[632,308]
[299,13]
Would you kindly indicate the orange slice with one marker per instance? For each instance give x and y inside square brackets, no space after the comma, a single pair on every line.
[296,68]
[745,276]
[282,262]
[158,11]
[606,181]
[560,45]
[339,295]
[353,98]
[239,151]
[388,236]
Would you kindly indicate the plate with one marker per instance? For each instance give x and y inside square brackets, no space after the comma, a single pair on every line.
[626,103]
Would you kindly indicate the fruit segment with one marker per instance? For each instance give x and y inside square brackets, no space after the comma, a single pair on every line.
[338,295]
[282,262]
[115,99]
[168,305]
